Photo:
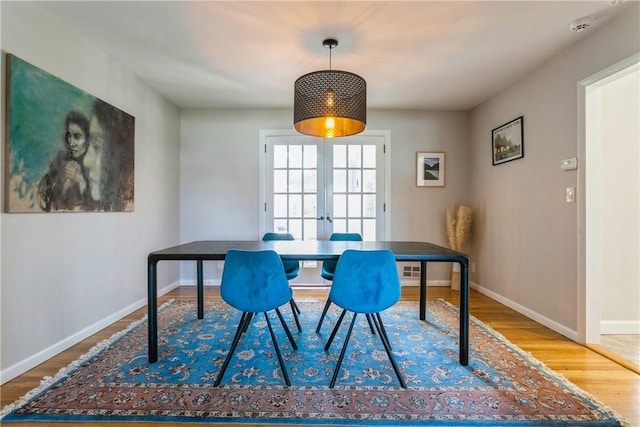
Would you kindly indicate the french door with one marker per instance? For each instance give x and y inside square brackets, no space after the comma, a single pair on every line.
[313,187]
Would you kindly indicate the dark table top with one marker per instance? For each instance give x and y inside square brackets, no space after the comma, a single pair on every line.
[310,250]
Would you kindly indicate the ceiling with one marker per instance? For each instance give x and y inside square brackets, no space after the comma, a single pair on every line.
[448,55]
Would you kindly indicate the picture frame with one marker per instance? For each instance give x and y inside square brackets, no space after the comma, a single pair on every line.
[430,168]
[507,141]
[65,149]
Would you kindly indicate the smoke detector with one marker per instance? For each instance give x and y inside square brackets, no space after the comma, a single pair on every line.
[580,24]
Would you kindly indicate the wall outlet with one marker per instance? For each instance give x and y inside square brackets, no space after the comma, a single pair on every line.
[473,267]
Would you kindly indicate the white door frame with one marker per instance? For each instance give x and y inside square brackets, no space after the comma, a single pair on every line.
[589,272]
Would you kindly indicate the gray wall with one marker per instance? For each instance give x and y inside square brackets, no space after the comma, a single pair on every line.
[526,238]
[67,275]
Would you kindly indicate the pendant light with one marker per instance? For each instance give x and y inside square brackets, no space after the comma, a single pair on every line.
[330,103]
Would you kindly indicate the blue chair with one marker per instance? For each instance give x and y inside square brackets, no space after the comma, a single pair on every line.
[291,269]
[365,282]
[329,268]
[255,282]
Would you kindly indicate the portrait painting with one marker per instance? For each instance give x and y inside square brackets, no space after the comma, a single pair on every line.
[66,150]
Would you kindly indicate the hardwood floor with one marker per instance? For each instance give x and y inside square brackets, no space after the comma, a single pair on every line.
[610,383]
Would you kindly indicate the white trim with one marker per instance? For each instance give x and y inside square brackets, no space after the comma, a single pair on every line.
[561,329]
[620,327]
[32,361]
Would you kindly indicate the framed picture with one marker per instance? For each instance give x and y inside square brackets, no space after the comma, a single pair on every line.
[430,169]
[507,141]
[66,150]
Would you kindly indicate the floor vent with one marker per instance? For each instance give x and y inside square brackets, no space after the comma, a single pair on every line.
[411,271]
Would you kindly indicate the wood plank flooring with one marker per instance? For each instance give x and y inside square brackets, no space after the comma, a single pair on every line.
[610,383]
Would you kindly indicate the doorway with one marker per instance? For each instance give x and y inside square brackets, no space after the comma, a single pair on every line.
[313,187]
[610,244]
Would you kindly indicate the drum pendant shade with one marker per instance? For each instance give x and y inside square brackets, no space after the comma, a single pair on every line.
[330,103]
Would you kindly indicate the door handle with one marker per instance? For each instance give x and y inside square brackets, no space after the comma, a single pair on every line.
[320,218]
[329,218]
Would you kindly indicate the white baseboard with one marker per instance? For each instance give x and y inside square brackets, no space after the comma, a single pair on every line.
[551,324]
[429,283]
[32,361]
[620,327]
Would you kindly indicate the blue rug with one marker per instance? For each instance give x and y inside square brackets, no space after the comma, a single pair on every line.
[501,386]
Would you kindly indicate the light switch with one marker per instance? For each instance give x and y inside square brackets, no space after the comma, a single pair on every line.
[571,194]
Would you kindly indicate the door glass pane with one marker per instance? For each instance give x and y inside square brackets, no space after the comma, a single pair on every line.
[310,229]
[339,225]
[295,228]
[310,205]
[339,181]
[369,181]
[280,226]
[280,181]
[369,156]
[295,181]
[279,205]
[369,205]
[310,158]
[355,159]
[280,156]
[295,206]
[354,226]
[339,156]
[310,181]
[339,205]
[354,181]
[354,204]
[369,229]
[295,156]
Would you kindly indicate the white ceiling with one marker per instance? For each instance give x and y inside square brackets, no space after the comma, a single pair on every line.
[446,55]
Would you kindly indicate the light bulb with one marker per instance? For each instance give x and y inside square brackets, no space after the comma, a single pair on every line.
[330,100]
[330,123]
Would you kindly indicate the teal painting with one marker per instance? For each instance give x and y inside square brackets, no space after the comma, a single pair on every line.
[66,150]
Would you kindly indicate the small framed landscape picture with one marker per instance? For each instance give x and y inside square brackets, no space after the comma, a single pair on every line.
[507,141]
[430,169]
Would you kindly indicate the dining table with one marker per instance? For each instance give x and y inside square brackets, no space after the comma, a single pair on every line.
[307,250]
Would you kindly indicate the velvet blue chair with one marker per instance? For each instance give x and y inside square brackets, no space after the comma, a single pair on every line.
[291,269]
[365,282]
[255,282]
[329,269]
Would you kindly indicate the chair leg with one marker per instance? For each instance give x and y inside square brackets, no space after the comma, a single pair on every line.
[294,305]
[344,350]
[275,345]
[335,330]
[286,330]
[387,346]
[246,326]
[373,332]
[324,312]
[242,327]
[296,311]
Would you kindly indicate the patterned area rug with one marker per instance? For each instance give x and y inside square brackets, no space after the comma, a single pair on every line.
[502,385]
